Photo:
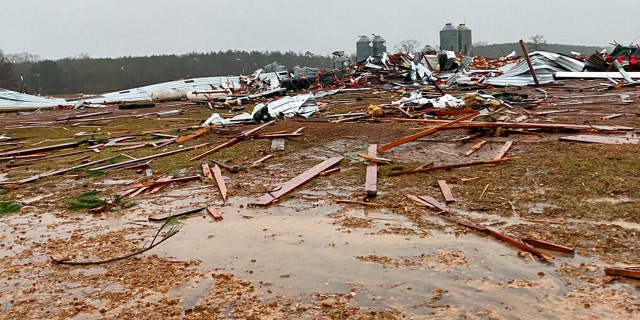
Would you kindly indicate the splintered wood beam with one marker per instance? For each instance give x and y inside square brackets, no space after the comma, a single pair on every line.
[447,167]
[631,272]
[194,135]
[217,174]
[503,150]
[371,177]
[206,171]
[446,191]
[433,202]
[520,245]
[40,149]
[292,184]
[51,173]
[521,125]
[261,160]
[421,134]
[547,245]
[214,213]
[162,182]
[329,172]
[476,147]
[124,163]
[419,201]
[229,143]
[600,139]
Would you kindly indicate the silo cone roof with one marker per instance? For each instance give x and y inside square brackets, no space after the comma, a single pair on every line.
[447,27]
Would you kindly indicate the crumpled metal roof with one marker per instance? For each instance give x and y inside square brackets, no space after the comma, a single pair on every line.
[196,84]
[11,100]
[544,64]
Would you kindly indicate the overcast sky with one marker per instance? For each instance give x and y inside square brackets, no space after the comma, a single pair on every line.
[114,28]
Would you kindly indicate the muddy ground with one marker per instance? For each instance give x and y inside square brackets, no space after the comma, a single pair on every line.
[309,255]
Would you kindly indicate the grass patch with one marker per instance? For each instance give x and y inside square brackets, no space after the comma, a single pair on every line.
[97,173]
[88,200]
[8,206]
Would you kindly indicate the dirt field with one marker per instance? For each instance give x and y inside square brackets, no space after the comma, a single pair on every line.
[311,255]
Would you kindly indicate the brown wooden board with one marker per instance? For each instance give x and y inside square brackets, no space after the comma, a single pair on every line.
[476,147]
[270,197]
[602,139]
[624,272]
[503,150]
[547,245]
[430,200]
[420,202]
[217,174]
[371,176]
[447,167]
[206,171]
[214,213]
[446,191]
[421,134]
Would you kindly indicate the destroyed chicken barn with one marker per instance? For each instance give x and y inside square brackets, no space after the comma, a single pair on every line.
[394,188]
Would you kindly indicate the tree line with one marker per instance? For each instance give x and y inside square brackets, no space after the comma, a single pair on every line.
[84,74]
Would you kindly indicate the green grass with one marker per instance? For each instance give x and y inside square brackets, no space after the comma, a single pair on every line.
[88,200]
[8,206]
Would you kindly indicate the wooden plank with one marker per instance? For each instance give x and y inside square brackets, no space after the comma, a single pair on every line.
[420,202]
[152,184]
[547,245]
[261,160]
[40,149]
[206,171]
[437,204]
[329,172]
[520,245]
[124,163]
[633,272]
[513,125]
[447,167]
[157,188]
[531,69]
[304,177]
[231,142]
[446,191]
[609,117]
[371,176]
[214,213]
[600,139]
[51,173]
[374,158]
[217,174]
[476,147]
[503,150]
[194,135]
[421,134]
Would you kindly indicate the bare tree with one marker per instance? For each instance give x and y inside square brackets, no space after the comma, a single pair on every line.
[409,46]
[537,42]
[23,57]
[7,80]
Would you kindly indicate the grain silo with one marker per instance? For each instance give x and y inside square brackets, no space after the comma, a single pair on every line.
[379,46]
[449,38]
[364,48]
[464,39]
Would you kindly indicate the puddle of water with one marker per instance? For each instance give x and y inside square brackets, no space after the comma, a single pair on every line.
[611,200]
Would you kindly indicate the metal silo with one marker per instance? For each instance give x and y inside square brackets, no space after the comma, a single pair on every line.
[464,39]
[379,46]
[364,48]
[449,38]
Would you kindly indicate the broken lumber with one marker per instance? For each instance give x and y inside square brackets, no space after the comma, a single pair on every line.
[304,177]
[162,182]
[193,135]
[40,149]
[521,125]
[447,167]
[547,245]
[373,158]
[629,272]
[217,174]
[214,213]
[124,163]
[329,172]
[446,191]
[51,173]
[261,160]
[371,176]
[503,150]
[243,135]
[600,139]
[421,134]
[476,147]
[433,202]
[206,171]
[420,202]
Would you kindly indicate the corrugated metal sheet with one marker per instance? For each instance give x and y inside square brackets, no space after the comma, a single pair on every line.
[11,100]
[544,63]
[197,84]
